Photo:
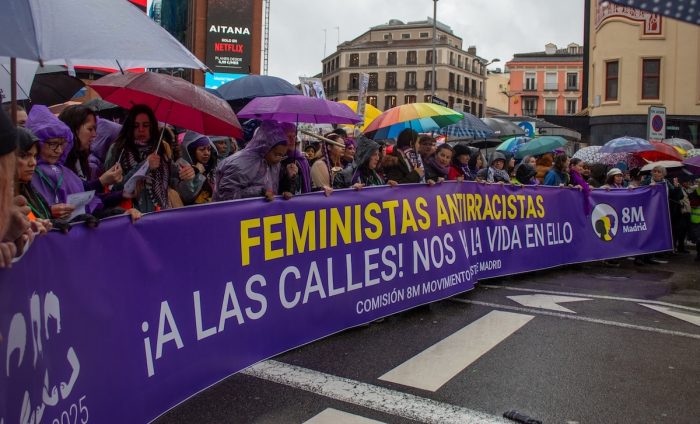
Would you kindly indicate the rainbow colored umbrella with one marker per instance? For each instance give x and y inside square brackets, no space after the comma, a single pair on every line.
[421,117]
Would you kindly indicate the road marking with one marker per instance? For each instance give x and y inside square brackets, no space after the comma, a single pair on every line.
[546,301]
[333,416]
[368,396]
[579,318]
[693,319]
[593,296]
[435,366]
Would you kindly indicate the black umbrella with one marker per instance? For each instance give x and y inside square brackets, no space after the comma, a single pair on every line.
[242,90]
[99,105]
[54,88]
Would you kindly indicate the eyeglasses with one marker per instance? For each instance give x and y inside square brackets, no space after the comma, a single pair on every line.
[56,146]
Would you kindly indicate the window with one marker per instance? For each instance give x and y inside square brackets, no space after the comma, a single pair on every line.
[611,80]
[372,100]
[428,80]
[337,63]
[354,83]
[530,106]
[387,36]
[571,107]
[390,81]
[651,70]
[550,107]
[459,82]
[373,81]
[451,81]
[530,81]
[372,59]
[405,36]
[474,93]
[355,59]
[450,102]
[459,60]
[472,108]
[411,80]
[429,57]
[391,58]
[352,98]
[452,58]
[389,102]
[409,99]
[550,81]
[481,111]
[571,81]
[411,57]
[427,98]
[424,34]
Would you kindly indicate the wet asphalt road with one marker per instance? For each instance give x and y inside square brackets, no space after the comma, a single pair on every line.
[610,360]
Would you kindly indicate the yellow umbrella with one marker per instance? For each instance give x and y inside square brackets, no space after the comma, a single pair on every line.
[371,114]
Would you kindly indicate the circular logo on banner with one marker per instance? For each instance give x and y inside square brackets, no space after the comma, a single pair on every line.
[605,222]
[657,123]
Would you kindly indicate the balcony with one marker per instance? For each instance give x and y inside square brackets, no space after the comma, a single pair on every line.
[572,88]
[530,112]
[353,86]
[551,86]
[530,87]
[428,86]
[373,87]
[390,87]
[411,62]
[410,86]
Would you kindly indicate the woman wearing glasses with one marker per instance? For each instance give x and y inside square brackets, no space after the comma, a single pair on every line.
[255,170]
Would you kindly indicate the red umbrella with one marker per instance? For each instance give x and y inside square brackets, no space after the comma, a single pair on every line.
[661,152]
[174,101]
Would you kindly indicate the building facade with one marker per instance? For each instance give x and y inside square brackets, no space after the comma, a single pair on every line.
[497,88]
[546,83]
[637,60]
[399,58]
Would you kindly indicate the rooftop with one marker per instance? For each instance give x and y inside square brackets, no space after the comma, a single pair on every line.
[397,24]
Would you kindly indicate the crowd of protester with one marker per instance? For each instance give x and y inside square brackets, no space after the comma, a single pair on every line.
[140,167]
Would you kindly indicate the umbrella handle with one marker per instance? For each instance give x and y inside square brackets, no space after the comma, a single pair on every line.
[322,138]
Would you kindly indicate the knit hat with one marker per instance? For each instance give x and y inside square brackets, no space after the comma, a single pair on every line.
[614,171]
[8,135]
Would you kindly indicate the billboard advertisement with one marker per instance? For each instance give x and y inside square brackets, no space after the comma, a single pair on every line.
[229,37]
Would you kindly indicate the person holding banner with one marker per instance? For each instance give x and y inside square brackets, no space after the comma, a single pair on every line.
[296,175]
[199,152]
[496,172]
[437,166]
[255,170]
[459,169]
[404,165]
[140,150]
[363,171]
[324,169]
[559,174]
[349,152]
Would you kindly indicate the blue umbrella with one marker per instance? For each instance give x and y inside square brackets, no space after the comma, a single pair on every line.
[251,86]
[512,143]
[626,145]
[468,127]
[539,146]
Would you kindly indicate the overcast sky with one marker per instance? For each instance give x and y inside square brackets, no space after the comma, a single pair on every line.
[498,28]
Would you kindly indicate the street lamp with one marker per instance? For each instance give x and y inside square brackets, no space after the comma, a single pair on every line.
[432,96]
[492,61]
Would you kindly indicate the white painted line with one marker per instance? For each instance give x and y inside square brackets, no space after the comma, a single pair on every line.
[546,301]
[693,319]
[333,416]
[579,318]
[435,366]
[593,296]
[369,396]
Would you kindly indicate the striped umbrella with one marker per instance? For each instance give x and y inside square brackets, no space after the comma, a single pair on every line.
[468,127]
[421,117]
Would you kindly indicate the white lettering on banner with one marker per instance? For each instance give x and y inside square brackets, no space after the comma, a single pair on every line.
[433,255]
[39,327]
[223,29]
[163,337]
[633,220]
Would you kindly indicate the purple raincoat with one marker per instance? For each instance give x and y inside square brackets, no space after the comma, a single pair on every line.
[107,133]
[55,181]
[247,173]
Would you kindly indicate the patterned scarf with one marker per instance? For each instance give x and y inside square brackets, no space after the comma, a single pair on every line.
[157,182]
[413,160]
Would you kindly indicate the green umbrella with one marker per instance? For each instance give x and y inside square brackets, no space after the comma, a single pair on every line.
[540,145]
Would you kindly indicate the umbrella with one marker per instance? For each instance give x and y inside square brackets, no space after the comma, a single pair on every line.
[512,143]
[421,117]
[98,105]
[116,35]
[503,128]
[626,145]
[252,86]
[50,89]
[590,154]
[693,165]
[660,152]
[664,163]
[468,127]
[629,159]
[174,101]
[371,112]
[540,145]
[692,153]
[299,109]
[679,142]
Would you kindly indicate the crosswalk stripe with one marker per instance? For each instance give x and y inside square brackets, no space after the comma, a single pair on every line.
[435,366]
[333,416]
[369,396]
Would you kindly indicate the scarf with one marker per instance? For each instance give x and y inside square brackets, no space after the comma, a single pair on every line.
[413,160]
[157,183]
[367,177]
[497,175]
[304,169]
[577,179]
[442,170]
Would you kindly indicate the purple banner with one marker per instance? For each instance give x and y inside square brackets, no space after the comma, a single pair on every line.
[120,323]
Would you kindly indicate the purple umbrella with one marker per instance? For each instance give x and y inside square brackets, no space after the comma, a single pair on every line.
[626,145]
[693,165]
[299,109]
